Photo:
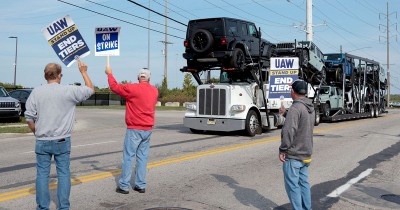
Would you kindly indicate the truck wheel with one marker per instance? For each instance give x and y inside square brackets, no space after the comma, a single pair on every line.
[201,41]
[196,131]
[252,123]
[371,110]
[238,59]
[327,110]
[317,118]
[376,112]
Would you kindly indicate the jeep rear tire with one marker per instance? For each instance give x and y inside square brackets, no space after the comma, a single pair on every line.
[201,41]
[238,60]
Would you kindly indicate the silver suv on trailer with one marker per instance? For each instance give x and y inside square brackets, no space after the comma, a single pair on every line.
[311,55]
[9,107]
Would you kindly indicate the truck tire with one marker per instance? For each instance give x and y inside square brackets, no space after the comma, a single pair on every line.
[376,111]
[326,109]
[238,59]
[317,118]
[371,110]
[252,123]
[201,41]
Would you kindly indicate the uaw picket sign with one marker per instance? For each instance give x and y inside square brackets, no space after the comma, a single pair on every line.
[107,41]
[284,71]
[64,37]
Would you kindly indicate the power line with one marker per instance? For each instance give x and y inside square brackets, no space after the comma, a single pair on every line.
[156,12]
[133,15]
[119,19]
[274,11]
[301,8]
[182,9]
[369,8]
[170,9]
[270,36]
[224,9]
[326,43]
[340,27]
[232,5]
[349,13]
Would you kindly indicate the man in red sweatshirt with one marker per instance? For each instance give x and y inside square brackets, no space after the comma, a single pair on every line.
[141,99]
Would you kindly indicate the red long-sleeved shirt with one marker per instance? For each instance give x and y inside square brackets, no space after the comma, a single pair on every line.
[141,99]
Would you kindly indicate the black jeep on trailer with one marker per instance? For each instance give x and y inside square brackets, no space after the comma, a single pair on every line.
[225,43]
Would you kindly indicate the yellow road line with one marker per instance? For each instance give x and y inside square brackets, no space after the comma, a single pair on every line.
[92,177]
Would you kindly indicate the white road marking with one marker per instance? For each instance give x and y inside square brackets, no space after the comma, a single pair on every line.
[82,145]
[346,186]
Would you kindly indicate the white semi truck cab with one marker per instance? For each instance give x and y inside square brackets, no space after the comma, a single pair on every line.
[238,101]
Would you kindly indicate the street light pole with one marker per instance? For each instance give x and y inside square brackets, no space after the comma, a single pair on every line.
[16,55]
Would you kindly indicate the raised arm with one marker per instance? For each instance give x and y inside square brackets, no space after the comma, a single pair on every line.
[83,69]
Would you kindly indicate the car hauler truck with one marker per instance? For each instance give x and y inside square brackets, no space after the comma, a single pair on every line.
[355,88]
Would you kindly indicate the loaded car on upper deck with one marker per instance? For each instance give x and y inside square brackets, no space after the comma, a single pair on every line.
[224,43]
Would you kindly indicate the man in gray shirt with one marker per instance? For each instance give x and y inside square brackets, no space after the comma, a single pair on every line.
[50,114]
[296,146]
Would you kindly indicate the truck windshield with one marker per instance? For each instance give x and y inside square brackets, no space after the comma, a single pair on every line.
[235,76]
[3,92]
[333,57]
[324,90]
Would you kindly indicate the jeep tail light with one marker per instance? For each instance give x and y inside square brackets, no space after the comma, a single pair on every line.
[224,41]
[185,43]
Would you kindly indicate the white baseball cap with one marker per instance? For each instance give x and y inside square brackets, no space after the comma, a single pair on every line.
[144,73]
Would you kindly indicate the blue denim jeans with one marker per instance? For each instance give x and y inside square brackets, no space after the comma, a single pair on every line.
[61,150]
[136,144]
[296,183]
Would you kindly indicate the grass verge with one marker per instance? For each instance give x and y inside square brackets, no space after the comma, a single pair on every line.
[19,129]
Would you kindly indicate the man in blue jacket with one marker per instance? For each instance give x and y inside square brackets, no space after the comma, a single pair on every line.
[296,146]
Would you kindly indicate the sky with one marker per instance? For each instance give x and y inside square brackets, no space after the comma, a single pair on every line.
[358,26]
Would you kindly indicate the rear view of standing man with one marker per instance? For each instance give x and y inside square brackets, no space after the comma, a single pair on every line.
[296,146]
[50,114]
[141,99]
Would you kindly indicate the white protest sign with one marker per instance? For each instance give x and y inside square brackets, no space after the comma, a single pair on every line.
[107,41]
[64,37]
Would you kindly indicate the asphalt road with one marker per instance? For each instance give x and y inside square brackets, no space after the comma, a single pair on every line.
[213,170]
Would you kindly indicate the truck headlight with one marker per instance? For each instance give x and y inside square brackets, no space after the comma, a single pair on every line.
[191,107]
[238,108]
[17,104]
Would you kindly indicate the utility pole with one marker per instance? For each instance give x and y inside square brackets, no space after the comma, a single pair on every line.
[309,26]
[15,62]
[166,44]
[148,38]
[387,15]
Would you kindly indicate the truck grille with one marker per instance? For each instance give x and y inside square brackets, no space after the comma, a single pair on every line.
[212,101]
[285,46]
[7,104]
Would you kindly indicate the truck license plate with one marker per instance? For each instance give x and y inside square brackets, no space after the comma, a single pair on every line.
[211,122]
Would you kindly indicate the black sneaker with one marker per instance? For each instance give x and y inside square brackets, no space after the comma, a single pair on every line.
[136,188]
[119,190]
